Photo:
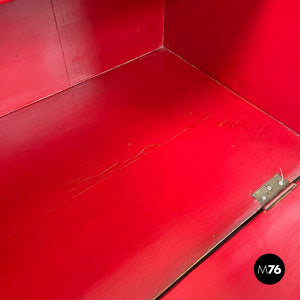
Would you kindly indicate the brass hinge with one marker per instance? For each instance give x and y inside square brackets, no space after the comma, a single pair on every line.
[273,191]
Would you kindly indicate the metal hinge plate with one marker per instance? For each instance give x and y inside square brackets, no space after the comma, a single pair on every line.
[270,189]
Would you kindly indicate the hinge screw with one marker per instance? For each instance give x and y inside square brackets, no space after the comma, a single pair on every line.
[280,182]
[269,188]
[264,198]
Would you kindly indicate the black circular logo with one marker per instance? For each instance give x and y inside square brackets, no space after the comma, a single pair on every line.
[269,269]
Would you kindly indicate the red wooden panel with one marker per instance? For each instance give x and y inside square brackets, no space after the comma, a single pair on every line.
[3,1]
[251,46]
[128,232]
[29,50]
[45,46]
[228,274]
[98,35]
[80,135]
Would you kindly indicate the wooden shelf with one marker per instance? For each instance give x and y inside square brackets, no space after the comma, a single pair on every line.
[117,185]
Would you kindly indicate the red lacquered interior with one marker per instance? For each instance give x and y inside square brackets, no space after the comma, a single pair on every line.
[275,231]
[251,46]
[129,177]
[49,45]
[111,187]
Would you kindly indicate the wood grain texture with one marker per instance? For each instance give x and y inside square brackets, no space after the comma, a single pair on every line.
[49,45]
[228,273]
[251,46]
[98,35]
[31,60]
[115,187]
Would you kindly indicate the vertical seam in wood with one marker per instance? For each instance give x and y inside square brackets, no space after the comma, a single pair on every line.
[164,21]
[60,42]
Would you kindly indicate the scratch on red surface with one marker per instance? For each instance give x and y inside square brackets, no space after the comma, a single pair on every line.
[118,166]
[123,164]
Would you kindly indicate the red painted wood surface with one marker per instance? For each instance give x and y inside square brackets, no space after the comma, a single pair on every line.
[3,1]
[251,46]
[98,35]
[228,273]
[113,188]
[48,45]
[29,50]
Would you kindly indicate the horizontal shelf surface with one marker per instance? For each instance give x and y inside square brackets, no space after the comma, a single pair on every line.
[113,188]
[229,272]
